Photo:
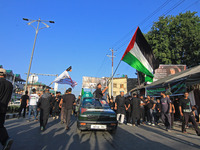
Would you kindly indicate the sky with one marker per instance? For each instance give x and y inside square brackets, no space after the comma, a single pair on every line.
[81,37]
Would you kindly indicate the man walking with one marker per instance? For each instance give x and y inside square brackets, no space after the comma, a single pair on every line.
[44,105]
[150,110]
[68,101]
[24,104]
[186,113]
[135,110]
[120,107]
[142,109]
[5,96]
[55,103]
[166,110]
[33,105]
[62,106]
[128,101]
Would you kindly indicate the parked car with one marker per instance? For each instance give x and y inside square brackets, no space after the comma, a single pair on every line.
[15,103]
[95,114]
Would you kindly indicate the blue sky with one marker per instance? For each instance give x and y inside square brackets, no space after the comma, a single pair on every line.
[82,35]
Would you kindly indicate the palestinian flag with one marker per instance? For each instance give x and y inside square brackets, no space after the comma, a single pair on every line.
[140,56]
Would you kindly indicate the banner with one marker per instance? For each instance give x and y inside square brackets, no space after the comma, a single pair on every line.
[167,70]
[91,82]
[175,88]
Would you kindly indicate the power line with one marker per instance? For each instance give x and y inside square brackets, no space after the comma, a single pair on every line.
[191,5]
[144,21]
[176,5]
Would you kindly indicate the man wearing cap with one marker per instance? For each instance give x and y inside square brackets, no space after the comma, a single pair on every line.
[5,96]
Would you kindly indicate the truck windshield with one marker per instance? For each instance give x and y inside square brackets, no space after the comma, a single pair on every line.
[94,103]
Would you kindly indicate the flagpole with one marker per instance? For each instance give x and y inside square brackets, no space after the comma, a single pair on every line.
[114,72]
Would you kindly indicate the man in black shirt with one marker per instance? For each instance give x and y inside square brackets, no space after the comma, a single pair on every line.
[24,104]
[120,107]
[44,105]
[98,93]
[142,109]
[135,103]
[68,100]
[128,101]
[185,109]
[55,103]
[5,96]
[150,110]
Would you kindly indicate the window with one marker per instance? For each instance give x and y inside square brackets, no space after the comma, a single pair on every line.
[121,85]
[115,85]
[114,93]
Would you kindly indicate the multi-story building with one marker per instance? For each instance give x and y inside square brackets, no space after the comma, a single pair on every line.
[122,84]
[18,84]
[39,86]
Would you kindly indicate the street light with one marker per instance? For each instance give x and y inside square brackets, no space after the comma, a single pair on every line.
[36,33]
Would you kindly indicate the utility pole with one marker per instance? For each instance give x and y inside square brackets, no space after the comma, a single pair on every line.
[112,58]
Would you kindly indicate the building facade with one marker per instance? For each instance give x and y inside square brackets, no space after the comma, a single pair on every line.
[122,84]
[18,84]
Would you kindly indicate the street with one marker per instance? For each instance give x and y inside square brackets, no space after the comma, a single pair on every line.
[27,136]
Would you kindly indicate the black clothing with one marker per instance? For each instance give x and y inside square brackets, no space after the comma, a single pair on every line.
[158,114]
[3,131]
[45,101]
[44,104]
[112,105]
[98,93]
[150,104]
[68,100]
[5,94]
[135,103]
[120,100]
[44,115]
[24,100]
[22,107]
[177,112]
[185,103]
[186,117]
[68,113]
[127,102]
[55,103]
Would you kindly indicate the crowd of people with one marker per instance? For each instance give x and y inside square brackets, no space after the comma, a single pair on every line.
[133,110]
[41,106]
[136,110]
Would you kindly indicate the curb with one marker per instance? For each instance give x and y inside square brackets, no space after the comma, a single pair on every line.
[10,116]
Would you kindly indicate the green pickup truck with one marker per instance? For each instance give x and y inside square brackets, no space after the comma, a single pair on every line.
[95,114]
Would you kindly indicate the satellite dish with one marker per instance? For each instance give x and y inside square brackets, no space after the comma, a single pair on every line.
[33,78]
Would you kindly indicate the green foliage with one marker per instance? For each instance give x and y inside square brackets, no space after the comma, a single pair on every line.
[176,40]
[13,109]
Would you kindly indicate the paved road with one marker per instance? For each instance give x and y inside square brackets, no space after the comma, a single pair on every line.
[27,136]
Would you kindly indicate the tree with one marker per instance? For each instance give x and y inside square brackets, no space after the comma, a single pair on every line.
[176,40]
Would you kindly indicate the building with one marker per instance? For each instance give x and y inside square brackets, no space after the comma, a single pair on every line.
[122,84]
[39,86]
[18,84]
